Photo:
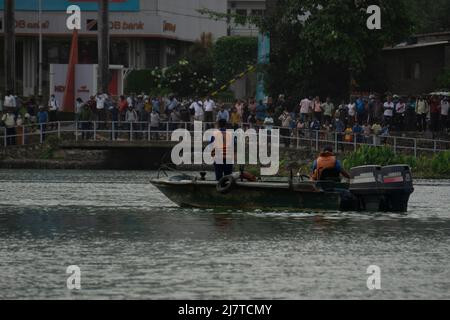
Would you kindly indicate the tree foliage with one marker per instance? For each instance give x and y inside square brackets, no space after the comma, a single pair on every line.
[443,80]
[320,44]
[232,55]
[430,15]
[205,67]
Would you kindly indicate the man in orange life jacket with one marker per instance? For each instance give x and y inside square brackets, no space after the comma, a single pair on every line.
[225,168]
[327,162]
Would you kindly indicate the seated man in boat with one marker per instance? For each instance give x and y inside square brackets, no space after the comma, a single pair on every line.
[225,167]
[327,167]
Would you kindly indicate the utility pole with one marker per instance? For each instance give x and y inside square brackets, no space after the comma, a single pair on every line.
[10,46]
[103,46]
[40,49]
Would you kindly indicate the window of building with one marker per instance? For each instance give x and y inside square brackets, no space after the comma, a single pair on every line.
[241,12]
[417,70]
[258,12]
[152,54]
[407,72]
[57,51]
[412,70]
[88,52]
[119,53]
[172,53]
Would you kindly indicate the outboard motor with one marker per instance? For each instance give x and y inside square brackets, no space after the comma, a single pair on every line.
[397,187]
[367,187]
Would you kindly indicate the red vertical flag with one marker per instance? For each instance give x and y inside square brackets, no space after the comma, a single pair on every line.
[69,92]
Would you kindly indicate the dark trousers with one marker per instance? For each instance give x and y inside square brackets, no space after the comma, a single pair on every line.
[435,122]
[85,127]
[318,116]
[209,117]
[286,136]
[101,119]
[114,130]
[154,133]
[411,122]
[339,137]
[422,122]
[222,170]
[400,122]
[43,128]
[53,117]
[444,122]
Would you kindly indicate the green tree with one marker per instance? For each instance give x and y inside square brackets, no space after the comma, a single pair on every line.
[322,44]
[233,55]
[443,80]
[434,18]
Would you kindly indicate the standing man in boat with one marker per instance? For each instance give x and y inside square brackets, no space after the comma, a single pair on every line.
[224,145]
[327,167]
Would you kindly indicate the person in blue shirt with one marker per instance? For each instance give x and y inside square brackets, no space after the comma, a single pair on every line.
[261,112]
[156,105]
[361,110]
[114,112]
[223,114]
[358,131]
[42,118]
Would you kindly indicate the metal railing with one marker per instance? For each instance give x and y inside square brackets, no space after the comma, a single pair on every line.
[142,131]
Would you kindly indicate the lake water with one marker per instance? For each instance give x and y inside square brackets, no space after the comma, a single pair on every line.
[130,242]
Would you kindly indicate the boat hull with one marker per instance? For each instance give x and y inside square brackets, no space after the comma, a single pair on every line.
[249,196]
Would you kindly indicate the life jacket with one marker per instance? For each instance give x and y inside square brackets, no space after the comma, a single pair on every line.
[326,160]
[348,135]
[223,141]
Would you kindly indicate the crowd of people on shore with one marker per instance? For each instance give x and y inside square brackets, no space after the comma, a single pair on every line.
[361,117]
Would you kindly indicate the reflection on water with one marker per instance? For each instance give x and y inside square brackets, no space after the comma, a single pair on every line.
[132,242]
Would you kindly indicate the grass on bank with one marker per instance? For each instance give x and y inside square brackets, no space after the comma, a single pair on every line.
[425,167]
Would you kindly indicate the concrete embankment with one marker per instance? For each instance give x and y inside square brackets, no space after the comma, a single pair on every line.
[56,157]
[130,157]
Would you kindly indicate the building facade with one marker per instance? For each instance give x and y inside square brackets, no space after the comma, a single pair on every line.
[144,34]
[245,8]
[413,67]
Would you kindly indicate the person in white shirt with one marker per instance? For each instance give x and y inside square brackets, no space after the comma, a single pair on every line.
[400,110]
[445,105]
[10,101]
[154,125]
[351,110]
[100,110]
[9,121]
[78,107]
[388,111]
[198,110]
[268,122]
[100,99]
[305,109]
[131,100]
[209,106]
[53,108]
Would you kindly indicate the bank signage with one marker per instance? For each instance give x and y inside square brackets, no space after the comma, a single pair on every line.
[61,5]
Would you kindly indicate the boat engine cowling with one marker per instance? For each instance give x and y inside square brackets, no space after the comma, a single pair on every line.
[382,188]
[367,186]
[397,187]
